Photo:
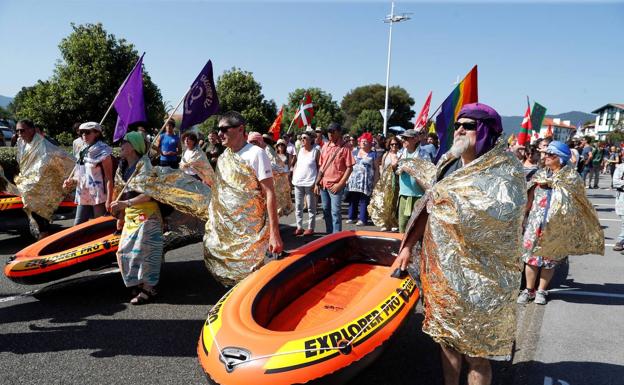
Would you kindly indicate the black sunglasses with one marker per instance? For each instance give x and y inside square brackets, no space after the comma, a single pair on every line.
[394,144]
[468,126]
[225,128]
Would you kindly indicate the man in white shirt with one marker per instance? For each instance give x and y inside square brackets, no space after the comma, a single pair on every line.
[237,232]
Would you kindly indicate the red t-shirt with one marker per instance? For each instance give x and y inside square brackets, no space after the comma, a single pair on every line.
[339,165]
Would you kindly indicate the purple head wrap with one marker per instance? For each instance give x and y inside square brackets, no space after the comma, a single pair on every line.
[489,126]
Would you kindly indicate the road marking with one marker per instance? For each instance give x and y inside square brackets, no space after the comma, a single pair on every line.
[573,291]
[604,204]
[16,297]
[609,244]
[609,219]
[549,381]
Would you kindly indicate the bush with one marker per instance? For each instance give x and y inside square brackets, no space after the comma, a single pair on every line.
[65,139]
[8,161]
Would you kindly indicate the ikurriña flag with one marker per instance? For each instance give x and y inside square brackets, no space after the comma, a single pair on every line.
[525,132]
[129,102]
[201,100]
[466,92]
[305,113]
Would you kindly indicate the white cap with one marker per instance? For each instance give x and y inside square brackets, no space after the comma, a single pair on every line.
[91,126]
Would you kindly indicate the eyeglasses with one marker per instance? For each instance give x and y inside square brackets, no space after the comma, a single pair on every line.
[304,138]
[225,128]
[468,126]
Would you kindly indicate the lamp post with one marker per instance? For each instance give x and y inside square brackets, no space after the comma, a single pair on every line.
[390,19]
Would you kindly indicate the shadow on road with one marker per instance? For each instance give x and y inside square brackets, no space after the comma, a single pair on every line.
[608,288]
[567,373]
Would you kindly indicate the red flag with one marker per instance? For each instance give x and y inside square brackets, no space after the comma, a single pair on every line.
[421,120]
[305,113]
[524,135]
[277,125]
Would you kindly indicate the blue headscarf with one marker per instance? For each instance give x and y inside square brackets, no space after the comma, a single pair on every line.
[560,149]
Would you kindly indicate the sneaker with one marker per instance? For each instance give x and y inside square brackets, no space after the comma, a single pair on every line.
[394,229]
[383,229]
[359,223]
[618,246]
[349,221]
[540,297]
[308,232]
[525,296]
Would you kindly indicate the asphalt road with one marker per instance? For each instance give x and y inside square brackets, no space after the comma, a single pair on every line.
[82,329]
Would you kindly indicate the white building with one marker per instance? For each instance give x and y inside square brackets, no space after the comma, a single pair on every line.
[558,129]
[608,117]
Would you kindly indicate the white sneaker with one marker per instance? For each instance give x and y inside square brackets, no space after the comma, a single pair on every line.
[359,223]
[525,296]
[540,297]
[383,229]
[349,221]
[394,229]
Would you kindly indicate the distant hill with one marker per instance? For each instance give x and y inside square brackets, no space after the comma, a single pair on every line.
[511,124]
[5,100]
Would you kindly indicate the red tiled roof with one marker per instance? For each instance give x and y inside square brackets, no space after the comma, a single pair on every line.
[549,122]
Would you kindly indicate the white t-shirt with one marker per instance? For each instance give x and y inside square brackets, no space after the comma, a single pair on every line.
[186,157]
[255,157]
[306,169]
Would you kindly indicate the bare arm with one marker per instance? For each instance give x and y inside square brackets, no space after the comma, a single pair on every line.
[414,234]
[107,166]
[275,240]
[342,182]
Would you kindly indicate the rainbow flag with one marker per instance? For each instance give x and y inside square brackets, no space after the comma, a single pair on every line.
[465,93]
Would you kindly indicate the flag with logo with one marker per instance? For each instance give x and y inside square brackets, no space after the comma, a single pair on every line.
[466,92]
[537,117]
[129,102]
[423,116]
[277,125]
[525,132]
[305,113]
[201,100]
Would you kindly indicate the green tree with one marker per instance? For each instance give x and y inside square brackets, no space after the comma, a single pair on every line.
[326,110]
[5,113]
[239,91]
[84,83]
[372,97]
[367,120]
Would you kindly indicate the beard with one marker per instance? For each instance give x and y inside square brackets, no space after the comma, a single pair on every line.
[460,145]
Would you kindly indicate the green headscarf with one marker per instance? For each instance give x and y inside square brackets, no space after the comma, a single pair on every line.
[137,141]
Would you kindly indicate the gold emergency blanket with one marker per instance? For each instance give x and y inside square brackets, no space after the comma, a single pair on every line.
[281,182]
[200,164]
[383,203]
[42,169]
[572,226]
[471,249]
[172,187]
[237,229]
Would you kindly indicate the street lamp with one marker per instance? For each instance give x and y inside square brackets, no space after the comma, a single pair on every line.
[390,19]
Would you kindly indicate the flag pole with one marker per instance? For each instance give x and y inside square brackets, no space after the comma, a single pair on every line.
[291,123]
[120,88]
[153,141]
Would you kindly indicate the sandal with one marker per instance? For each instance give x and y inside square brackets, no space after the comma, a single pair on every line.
[145,296]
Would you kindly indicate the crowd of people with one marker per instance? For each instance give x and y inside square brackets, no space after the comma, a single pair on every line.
[450,213]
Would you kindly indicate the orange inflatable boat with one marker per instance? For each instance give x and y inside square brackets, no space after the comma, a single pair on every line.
[89,245]
[13,202]
[317,316]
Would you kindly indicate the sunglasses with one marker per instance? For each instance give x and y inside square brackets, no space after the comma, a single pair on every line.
[394,144]
[225,128]
[304,137]
[549,154]
[87,132]
[468,126]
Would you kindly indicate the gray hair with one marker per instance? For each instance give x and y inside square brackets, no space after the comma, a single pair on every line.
[233,118]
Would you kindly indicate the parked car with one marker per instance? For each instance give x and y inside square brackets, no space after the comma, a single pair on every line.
[5,136]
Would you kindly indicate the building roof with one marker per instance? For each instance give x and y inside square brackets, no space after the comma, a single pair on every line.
[557,123]
[616,105]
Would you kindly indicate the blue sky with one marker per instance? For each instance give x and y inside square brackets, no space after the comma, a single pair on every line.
[565,55]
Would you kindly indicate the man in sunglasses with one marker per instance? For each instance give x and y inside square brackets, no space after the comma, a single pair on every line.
[43,167]
[468,223]
[243,224]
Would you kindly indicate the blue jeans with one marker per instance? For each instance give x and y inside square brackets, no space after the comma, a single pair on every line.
[331,210]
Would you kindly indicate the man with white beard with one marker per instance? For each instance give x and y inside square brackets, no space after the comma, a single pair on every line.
[469,223]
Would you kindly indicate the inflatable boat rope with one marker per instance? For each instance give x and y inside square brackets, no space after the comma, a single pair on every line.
[344,349]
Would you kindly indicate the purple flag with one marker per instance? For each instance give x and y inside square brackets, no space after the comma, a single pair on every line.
[201,101]
[129,102]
